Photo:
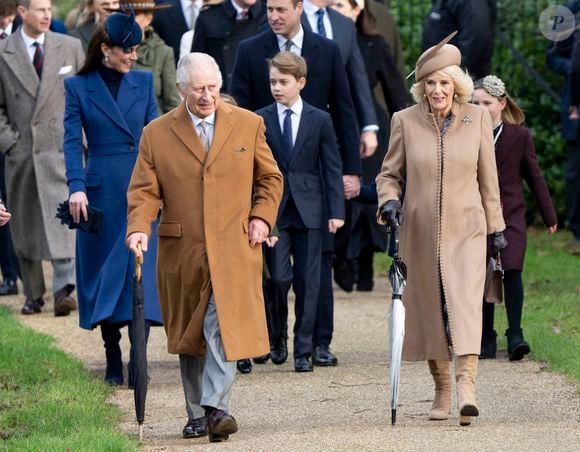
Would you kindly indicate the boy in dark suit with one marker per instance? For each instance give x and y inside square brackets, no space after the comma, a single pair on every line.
[304,144]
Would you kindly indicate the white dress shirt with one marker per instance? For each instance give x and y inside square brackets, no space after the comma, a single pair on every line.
[296,115]
[297,42]
[29,43]
[191,8]
[310,11]
[209,124]
[7,30]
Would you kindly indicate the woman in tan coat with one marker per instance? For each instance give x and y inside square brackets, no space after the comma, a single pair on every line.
[441,154]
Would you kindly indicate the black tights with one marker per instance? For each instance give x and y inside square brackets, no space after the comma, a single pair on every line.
[513,299]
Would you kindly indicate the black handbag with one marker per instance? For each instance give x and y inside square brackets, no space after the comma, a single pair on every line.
[93,224]
[493,289]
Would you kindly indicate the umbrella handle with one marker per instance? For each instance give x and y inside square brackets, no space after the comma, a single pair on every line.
[138,262]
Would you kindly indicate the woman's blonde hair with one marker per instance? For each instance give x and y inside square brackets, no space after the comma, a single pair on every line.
[462,84]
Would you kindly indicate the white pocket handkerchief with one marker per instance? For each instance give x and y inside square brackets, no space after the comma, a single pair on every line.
[64,70]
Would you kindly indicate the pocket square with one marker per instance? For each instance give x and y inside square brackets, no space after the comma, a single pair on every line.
[241,149]
[64,70]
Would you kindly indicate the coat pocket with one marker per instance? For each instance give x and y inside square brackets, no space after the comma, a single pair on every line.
[169,229]
[93,180]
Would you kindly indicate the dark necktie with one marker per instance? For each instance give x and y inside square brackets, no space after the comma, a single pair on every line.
[288,46]
[38,59]
[320,23]
[3,35]
[287,133]
[243,15]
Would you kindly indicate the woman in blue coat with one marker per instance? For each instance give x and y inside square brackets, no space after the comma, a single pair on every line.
[111,104]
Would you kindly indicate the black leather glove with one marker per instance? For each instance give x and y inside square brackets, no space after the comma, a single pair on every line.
[498,242]
[392,213]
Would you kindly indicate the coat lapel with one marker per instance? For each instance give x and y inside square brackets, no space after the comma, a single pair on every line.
[303,131]
[51,66]
[128,94]
[271,45]
[273,130]
[310,48]
[184,129]
[224,124]
[17,59]
[100,95]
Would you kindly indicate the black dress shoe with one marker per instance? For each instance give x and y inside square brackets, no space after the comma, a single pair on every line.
[279,351]
[303,364]
[220,425]
[8,287]
[324,357]
[262,359]
[31,307]
[244,366]
[365,285]
[195,428]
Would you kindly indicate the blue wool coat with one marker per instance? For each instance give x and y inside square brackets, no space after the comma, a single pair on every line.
[113,129]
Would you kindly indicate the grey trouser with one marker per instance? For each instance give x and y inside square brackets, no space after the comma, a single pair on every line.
[207,381]
[63,273]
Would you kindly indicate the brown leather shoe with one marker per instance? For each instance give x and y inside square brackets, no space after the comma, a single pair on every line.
[195,428]
[220,426]
[32,306]
[63,302]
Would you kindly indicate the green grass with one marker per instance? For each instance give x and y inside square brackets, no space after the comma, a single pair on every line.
[551,318]
[48,401]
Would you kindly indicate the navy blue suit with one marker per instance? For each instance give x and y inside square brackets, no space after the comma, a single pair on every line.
[344,34]
[104,265]
[312,193]
[327,86]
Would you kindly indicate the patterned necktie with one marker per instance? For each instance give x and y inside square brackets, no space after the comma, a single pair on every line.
[38,59]
[320,23]
[287,133]
[203,135]
[288,46]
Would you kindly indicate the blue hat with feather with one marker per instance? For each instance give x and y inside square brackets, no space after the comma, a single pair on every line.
[123,30]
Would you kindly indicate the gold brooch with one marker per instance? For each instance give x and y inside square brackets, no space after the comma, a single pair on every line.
[466,120]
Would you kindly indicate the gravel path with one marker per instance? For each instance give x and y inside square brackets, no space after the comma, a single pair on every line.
[346,407]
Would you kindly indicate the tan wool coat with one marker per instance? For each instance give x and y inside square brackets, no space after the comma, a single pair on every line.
[451,203]
[203,232]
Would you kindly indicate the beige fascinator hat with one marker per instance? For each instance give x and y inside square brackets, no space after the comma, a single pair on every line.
[437,57]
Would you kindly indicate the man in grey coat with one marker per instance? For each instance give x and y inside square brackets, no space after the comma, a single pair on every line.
[33,63]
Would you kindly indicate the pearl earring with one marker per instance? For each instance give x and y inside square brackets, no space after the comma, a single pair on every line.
[455,96]
[107,58]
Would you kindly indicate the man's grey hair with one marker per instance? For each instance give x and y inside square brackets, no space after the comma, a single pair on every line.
[195,61]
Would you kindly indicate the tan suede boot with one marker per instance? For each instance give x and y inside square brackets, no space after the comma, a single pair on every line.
[440,370]
[465,374]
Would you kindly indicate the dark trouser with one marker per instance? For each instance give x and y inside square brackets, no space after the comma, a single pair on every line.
[8,259]
[325,313]
[514,303]
[573,187]
[304,275]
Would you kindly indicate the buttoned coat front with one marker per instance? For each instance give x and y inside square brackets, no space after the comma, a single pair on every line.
[451,204]
[208,201]
[112,127]
[31,136]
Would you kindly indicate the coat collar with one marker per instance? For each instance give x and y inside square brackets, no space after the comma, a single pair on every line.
[303,131]
[100,95]
[457,115]
[51,67]
[185,130]
[273,130]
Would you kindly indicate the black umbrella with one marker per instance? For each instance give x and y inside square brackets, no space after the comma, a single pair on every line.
[398,280]
[139,346]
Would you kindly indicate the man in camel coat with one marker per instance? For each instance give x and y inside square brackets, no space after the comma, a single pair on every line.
[208,164]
